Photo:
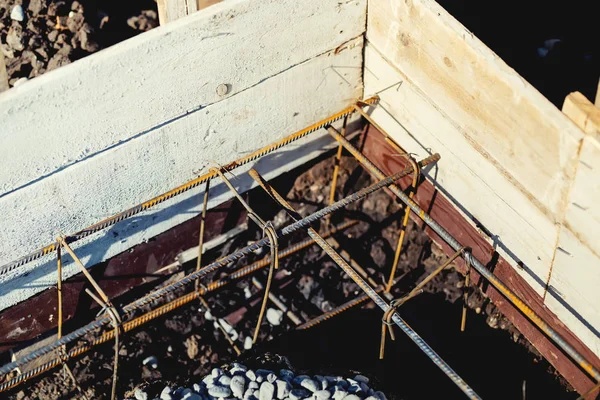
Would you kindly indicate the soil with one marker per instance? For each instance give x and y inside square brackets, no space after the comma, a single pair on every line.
[490,355]
[56,33]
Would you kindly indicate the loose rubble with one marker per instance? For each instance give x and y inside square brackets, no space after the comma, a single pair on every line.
[243,383]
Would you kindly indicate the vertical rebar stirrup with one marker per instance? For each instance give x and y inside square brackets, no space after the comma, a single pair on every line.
[105,304]
[367,289]
[271,233]
[415,182]
[463,320]
[417,290]
[62,351]
[201,233]
[336,170]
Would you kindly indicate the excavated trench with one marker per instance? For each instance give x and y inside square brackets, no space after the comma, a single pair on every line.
[181,347]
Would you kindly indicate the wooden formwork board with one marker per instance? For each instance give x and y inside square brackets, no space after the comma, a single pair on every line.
[512,164]
[135,120]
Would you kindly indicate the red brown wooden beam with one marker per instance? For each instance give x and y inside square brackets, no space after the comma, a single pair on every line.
[381,153]
[37,315]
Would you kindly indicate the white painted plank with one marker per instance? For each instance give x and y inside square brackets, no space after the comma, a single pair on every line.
[131,89]
[169,156]
[521,231]
[498,112]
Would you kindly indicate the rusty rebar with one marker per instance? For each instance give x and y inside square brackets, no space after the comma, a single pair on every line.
[418,289]
[174,304]
[180,189]
[336,170]
[159,293]
[201,232]
[475,263]
[367,289]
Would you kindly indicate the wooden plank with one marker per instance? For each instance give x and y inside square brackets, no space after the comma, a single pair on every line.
[582,112]
[175,153]
[159,77]
[3,74]
[270,66]
[597,102]
[442,209]
[503,117]
[206,3]
[573,285]
[170,10]
[508,218]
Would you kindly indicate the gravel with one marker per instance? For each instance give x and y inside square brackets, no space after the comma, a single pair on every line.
[274,316]
[239,382]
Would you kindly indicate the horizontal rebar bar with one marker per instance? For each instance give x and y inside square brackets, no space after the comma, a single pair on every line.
[427,350]
[11,266]
[174,304]
[337,310]
[483,271]
[213,267]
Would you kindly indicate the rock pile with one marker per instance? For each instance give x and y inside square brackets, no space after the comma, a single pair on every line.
[243,383]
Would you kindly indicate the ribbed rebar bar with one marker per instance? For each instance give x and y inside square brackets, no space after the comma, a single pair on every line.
[137,304]
[475,263]
[174,304]
[11,266]
[427,350]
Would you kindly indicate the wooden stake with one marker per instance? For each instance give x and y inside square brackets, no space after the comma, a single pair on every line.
[581,111]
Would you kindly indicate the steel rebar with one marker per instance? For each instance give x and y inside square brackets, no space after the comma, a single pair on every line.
[174,304]
[460,383]
[213,266]
[475,263]
[11,266]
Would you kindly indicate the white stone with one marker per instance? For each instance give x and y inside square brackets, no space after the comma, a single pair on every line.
[267,391]
[248,394]
[228,328]
[17,13]
[251,375]
[140,394]
[274,316]
[225,380]
[151,361]
[219,391]
[310,384]
[247,343]
[283,389]
[237,386]
[322,394]
[166,393]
